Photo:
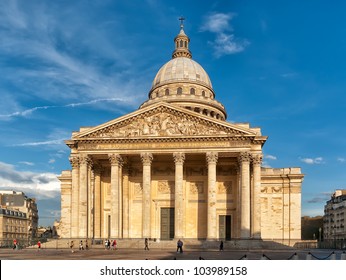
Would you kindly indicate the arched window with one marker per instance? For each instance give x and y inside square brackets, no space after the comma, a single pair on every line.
[167,92]
[181,44]
[185,43]
[179,90]
[192,91]
[203,93]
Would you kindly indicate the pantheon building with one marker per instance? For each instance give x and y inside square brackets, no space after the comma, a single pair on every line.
[175,168]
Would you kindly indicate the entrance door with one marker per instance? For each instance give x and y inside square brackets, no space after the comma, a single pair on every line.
[167,223]
[225,227]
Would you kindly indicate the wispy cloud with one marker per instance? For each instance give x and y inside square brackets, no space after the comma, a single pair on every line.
[40,143]
[270,157]
[317,160]
[50,54]
[320,197]
[341,159]
[225,41]
[41,184]
[289,75]
[27,163]
[28,112]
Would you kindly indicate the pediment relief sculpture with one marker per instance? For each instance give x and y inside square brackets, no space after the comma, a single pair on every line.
[162,123]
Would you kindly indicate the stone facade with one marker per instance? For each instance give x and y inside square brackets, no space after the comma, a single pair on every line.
[335,216]
[18,201]
[176,169]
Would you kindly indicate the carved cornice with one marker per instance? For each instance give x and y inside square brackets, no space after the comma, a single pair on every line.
[115,159]
[244,157]
[179,158]
[74,160]
[212,157]
[146,158]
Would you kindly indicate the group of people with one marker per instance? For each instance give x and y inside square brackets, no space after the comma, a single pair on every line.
[110,244]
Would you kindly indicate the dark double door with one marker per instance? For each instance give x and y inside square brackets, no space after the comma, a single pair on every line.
[225,227]
[167,223]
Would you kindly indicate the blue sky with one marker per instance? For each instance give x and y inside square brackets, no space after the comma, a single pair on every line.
[279,65]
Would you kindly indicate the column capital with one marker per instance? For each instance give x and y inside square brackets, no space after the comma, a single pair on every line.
[146,158]
[74,160]
[212,157]
[244,157]
[179,158]
[85,159]
[115,159]
[256,159]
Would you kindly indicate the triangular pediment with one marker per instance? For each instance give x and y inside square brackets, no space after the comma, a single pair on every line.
[163,120]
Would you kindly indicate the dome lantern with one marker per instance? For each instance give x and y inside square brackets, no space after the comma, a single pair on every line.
[181,42]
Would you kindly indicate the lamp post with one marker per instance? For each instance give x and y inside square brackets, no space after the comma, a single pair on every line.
[319,237]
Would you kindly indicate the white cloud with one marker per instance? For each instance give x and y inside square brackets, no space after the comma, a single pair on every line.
[340,159]
[27,163]
[317,160]
[52,160]
[48,40]
[217,23]
[42,185]
[271,157]
[225,42]
[28,112]
[41,143]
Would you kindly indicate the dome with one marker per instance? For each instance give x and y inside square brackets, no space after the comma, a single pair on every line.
[181,69]
[183,82]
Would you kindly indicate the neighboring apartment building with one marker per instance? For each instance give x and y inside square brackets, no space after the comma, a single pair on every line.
[14,225]
[18,201]
[334,219]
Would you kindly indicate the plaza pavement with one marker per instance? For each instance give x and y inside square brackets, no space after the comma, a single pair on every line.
[160,254]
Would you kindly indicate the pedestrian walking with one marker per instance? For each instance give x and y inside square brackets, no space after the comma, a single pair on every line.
[39,245]
[14,244]
[86,245]
[81,247]
[114,245]
[221,246]
[180,246]
[71,246]
[146,244]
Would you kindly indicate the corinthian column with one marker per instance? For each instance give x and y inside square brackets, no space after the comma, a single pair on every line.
[126,174]
[256,196]
[116,163]
[212,158]
[97,201]
[244,161]
[84,161]
[179,212]
[147,158]
[74,160]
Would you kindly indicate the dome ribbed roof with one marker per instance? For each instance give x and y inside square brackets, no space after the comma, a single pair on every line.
[181,69]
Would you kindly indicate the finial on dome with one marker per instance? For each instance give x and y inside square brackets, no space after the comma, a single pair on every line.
[182,43]
[181,22]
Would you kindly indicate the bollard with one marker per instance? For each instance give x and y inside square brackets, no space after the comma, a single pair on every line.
[343,255]
[333,256]
[295,257]
[245,257]
[309,256]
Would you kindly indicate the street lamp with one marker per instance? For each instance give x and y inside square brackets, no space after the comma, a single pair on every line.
[319,236]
